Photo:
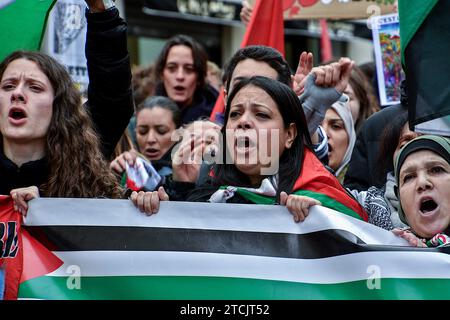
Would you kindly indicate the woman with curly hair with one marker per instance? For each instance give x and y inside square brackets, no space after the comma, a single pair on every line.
[47,136]
[48,144]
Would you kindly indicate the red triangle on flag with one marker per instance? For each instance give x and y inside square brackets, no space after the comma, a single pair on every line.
[37,259]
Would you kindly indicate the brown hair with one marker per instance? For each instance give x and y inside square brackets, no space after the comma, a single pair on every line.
[77,167]
[364,93]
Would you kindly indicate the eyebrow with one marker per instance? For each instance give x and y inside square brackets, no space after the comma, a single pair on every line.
[27,79]
[176,63]
[252,105]
[334,120]
[428,164]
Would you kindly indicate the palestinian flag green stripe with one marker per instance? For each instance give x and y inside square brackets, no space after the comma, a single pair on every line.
[323,198]
[329,202]
[256,198]
[220,288]
[23,24]
[412,14]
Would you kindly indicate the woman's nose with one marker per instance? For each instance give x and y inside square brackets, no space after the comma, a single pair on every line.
[423,182]
[151,138]
[18,94]
[245,122]
[180,73]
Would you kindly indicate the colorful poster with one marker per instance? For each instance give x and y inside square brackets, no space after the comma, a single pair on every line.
[386,43]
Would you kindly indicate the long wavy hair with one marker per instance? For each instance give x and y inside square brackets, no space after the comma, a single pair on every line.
[291,160]
[77,167]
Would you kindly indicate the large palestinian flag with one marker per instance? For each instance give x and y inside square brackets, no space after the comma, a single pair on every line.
[108,250]
[23,24]
[425,44]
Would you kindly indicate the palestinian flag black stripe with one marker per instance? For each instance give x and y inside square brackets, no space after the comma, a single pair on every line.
[315,245]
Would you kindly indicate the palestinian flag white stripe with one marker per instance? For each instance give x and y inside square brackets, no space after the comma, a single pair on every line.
[187,215]
[340,269]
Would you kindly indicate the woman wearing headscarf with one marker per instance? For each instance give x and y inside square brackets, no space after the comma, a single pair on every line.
[338,125]
[422,172]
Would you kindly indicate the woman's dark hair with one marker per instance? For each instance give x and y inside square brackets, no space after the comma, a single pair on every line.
[263,54]
[389,141]
[291,160]
[199,57]
[164,103]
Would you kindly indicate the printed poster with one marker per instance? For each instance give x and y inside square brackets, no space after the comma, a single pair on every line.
[386,43]
[66,38]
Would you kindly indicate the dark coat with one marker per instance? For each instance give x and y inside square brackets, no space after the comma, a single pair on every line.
[363,170]
[110,99]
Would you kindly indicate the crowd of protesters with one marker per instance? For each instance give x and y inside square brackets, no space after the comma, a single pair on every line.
[321,130]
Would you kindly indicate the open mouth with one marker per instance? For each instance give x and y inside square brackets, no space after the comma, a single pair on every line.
[179,88]
[17,114]
[244,142]
[428,205]
[151,151]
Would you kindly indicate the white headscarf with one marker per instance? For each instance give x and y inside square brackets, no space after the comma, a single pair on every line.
[343,110]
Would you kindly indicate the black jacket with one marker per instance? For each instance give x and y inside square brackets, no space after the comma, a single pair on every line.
[33,173]
[362,172]
[110,98]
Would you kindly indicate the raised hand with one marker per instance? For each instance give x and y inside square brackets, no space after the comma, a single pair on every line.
[305,65]
[336,74]
[96,5]
[246,12]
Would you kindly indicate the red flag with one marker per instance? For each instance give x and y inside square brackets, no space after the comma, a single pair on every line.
[265,28]
[325,42]
[23,257]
